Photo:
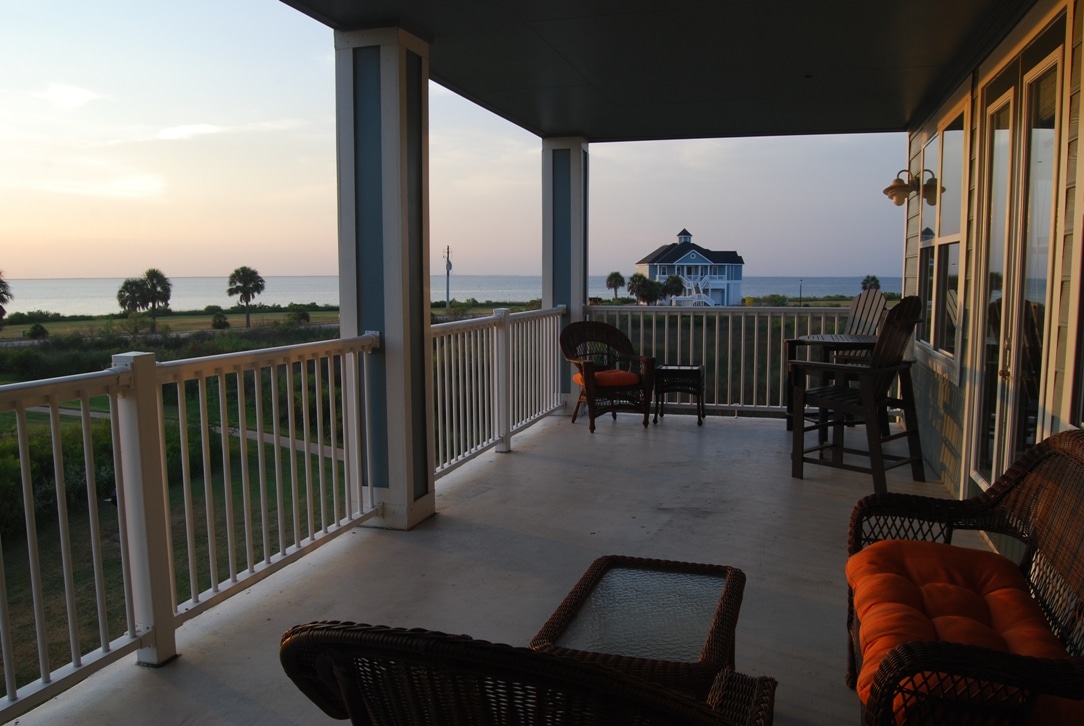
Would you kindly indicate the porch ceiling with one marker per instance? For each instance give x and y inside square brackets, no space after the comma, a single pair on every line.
[641,69]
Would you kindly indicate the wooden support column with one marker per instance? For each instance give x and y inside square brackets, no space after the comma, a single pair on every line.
[564,230]
[383,155]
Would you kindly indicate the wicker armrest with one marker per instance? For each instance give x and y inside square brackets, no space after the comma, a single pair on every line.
[942,679]
[746,700]
[904,516]
[932,519]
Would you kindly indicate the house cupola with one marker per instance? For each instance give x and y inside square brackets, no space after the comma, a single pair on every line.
[684,236]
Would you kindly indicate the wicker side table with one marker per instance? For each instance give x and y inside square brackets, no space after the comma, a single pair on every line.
[667,622]
[679,379]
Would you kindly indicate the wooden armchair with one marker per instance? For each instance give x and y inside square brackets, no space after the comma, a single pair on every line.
[377,675]
[611,376]
[860,393]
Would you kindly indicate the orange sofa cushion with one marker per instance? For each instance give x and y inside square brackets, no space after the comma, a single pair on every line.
[913,591]
[611,378]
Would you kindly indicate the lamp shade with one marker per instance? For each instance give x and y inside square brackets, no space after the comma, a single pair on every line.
[930,188]
[898,191]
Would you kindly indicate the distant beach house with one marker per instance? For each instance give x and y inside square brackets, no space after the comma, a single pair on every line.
[711,278]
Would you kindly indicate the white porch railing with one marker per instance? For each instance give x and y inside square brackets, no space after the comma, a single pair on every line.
[226,468]
[230,467]
[741,348]
[493,376]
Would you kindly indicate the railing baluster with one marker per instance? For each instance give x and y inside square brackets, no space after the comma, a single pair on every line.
[65,531]
[95,528]
[208,489]
[261,462]
[246,495]
[227,482]
[122,509]
[292,425]
[318,364]
[32,546]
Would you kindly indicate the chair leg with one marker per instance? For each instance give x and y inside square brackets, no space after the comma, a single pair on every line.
[873,441]
[576,409]
[839,424]
[797,446]
[910,420]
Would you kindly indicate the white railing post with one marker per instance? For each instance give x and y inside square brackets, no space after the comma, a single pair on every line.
[504,378]
[144,491]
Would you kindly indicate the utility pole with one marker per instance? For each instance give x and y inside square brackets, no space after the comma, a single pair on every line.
[448,280]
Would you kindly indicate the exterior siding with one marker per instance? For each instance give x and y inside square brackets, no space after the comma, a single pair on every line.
[940,390]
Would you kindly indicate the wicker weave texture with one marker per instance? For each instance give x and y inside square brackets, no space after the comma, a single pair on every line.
[384,676]
[594,346]
[693,677]
[1039,502]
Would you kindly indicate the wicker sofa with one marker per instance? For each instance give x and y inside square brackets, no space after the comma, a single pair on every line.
[945,634]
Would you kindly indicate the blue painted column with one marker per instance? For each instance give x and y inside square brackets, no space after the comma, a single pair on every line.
[382,124]
[564,229]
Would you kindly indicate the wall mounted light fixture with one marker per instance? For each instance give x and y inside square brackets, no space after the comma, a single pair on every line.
[907,183]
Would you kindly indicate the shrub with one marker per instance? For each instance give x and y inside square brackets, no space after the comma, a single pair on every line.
[37,332]
[219,321]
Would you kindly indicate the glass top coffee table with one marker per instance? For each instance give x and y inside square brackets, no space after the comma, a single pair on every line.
[667,622]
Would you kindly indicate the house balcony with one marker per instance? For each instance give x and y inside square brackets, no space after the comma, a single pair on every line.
[513,534]
[201,557]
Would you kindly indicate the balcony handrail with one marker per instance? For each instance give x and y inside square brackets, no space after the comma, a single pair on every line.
[31,394]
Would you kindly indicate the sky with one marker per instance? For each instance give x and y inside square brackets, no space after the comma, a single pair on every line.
[199,136]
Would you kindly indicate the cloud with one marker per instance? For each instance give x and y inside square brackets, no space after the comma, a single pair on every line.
[67,97]
[84,176]
[189,131]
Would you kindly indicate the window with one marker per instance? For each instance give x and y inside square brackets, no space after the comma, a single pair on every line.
[941,196]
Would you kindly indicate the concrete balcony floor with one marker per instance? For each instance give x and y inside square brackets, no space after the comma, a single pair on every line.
[513,533]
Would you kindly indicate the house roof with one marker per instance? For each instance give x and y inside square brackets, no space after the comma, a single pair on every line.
[675,251]
[641,69]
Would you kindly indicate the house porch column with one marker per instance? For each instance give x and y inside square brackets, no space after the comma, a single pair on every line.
[564,229]
[382,115]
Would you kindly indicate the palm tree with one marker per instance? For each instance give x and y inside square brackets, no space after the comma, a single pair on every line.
[159,288]
[132,295]
[652,291]
[247,283]
[871,283]
[674,285]
[5,297]
[615,282]
[637,284]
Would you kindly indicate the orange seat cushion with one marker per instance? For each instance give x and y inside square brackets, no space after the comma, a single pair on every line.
[612,378]
[913,591]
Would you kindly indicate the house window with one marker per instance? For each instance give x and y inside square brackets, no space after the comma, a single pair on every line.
[941,197]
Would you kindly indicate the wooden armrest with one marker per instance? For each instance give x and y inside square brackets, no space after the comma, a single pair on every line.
[956,676]
[856,369]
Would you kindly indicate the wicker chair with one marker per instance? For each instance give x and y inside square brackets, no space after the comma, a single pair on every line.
[861,394]
[378,675]
[1034,512]
[611,376]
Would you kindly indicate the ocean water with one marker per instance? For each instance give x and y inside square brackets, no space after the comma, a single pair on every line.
[98,296]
